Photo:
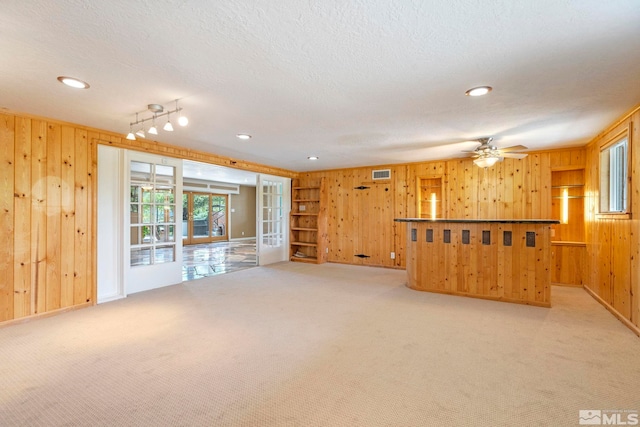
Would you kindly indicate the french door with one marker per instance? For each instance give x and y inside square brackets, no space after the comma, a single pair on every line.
[204,217]
[154,255]
[274,203]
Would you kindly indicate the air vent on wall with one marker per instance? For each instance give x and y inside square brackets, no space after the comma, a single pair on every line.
[381,174]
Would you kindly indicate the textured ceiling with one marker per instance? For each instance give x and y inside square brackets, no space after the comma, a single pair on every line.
[357,82]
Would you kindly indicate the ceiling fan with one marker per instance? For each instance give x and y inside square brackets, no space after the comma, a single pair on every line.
[486,154]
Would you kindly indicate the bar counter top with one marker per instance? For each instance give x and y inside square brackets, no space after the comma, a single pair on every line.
[475,221]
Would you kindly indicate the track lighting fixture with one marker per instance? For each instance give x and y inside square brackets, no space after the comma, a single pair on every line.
[158,111]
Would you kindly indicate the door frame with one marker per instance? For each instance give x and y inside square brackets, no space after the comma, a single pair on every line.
[190,239]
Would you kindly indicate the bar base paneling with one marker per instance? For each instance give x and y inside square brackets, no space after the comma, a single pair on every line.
[502,260]
[567,262]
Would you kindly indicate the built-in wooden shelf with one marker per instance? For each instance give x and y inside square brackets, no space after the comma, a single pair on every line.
[308,229]
[304,244]
[309,259]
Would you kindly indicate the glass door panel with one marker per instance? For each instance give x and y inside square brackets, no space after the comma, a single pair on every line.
[218,217]
[201,218]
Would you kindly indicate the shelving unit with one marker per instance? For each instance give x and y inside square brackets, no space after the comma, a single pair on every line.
[567,204]
[567,242]
[308,237]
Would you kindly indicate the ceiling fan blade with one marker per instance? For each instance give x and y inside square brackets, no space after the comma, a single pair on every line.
[513,148]
[514,155]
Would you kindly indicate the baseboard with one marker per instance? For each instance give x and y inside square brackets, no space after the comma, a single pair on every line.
[46,314]
[613,311]
[567,285]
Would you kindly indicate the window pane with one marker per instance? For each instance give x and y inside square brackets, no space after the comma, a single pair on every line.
[147,234]
[166,233]
[613,177]
[140,256]
[136,235]
[140,171]
[135,214]
[165,174]
[146,214]
[164,254]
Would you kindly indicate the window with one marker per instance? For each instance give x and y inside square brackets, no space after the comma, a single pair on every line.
[614,176]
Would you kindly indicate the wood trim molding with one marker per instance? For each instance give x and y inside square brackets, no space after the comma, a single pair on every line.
[610,128]
[616,313]
[568,243]
[45,314]
[162,149]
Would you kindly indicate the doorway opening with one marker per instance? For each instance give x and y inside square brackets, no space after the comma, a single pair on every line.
[218,220]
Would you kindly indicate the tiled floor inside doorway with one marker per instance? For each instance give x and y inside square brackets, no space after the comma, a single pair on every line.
[204,260]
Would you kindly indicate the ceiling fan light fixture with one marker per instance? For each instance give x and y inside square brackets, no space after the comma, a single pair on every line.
[486,162]
[478,91]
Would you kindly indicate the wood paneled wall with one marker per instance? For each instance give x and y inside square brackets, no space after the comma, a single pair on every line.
[48,210]
[613,245]
[47,217]
[362,220]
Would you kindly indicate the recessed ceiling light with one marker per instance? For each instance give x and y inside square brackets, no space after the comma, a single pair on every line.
[243,136]
[478,91]
[73,82]
[313,157]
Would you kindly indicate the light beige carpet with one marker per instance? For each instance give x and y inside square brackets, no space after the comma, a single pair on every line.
[317,345]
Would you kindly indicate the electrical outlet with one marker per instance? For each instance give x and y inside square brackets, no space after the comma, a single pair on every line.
[393,255]
[243,233]
[302,208]
[326,250]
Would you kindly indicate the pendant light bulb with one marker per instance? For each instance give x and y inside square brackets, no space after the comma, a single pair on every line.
[168,126]
[140,133]
[130,135]
[153,130]
[182,120]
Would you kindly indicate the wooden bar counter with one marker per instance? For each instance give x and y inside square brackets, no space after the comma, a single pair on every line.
[500,259]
